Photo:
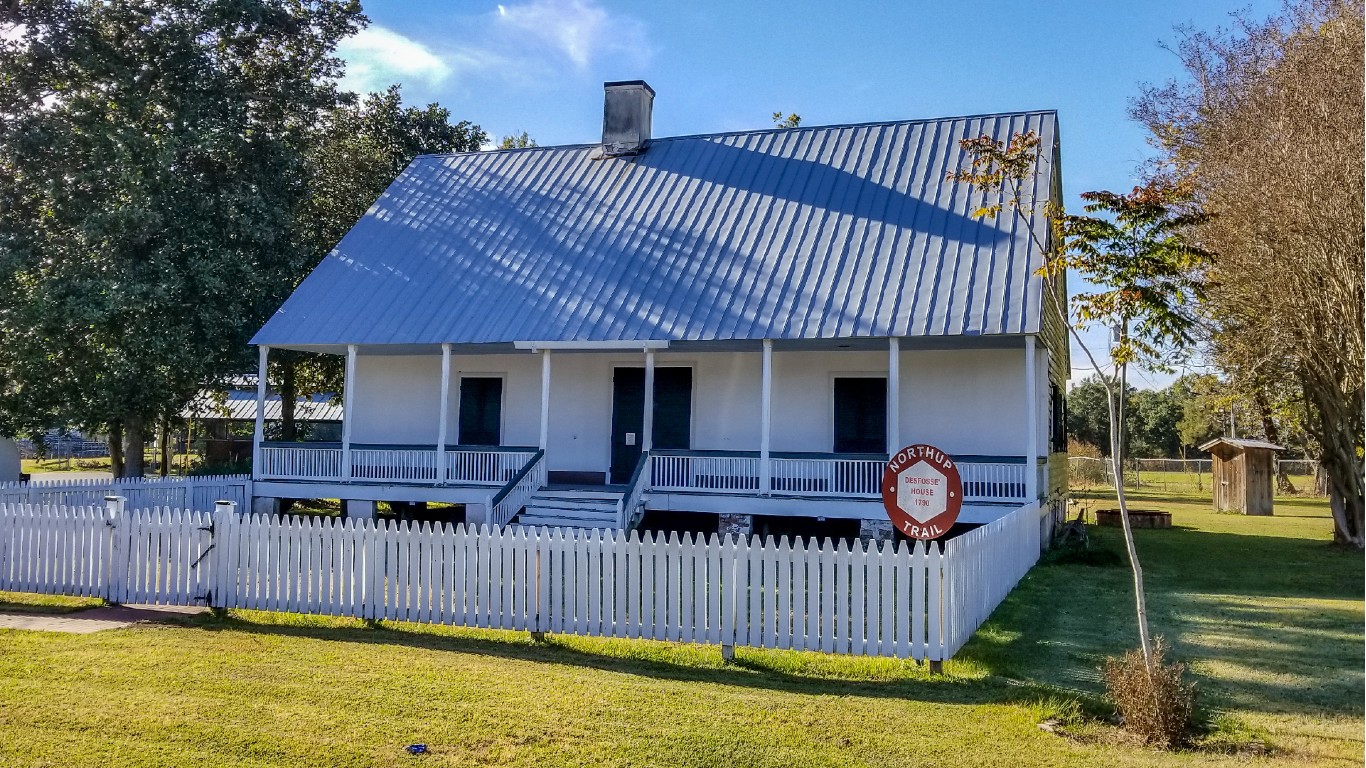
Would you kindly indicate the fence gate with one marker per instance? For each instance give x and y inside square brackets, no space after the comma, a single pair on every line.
[160,556]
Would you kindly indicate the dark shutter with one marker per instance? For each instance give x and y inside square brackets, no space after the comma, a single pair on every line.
[861,415]
[673,408]
[481,411]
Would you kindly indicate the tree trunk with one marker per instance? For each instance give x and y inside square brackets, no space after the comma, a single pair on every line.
[116,449]
[1273,435]
[289,396]
[1116,405]
[164,447]
[1336,423]
[133,441]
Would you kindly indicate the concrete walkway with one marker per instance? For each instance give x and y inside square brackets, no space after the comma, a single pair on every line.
[94,619]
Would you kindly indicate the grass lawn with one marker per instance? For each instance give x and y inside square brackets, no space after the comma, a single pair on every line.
[99,464]
[17,602]
[1268,613]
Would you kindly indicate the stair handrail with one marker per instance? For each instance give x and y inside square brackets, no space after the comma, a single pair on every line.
[635,492]
[503,506]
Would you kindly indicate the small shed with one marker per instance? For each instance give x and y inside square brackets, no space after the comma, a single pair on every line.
[1243,474]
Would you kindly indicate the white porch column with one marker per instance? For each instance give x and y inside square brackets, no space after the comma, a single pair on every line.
[647,429]
[766,421]
[893,395]
[444,411]
[260,433]
[1032,431]
[545,398]
[348,408]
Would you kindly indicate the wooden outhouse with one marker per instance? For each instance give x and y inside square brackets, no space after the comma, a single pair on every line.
[1244,473]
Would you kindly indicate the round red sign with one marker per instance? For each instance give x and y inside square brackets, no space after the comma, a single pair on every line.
[922,491]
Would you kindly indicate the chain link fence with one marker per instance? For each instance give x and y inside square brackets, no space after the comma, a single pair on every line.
[1186,475]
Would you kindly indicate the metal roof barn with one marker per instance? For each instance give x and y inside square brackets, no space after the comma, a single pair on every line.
[810,233]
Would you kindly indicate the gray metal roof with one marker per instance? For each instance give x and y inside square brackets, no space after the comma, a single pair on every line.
[1238,442]
[240,405]
[808,233]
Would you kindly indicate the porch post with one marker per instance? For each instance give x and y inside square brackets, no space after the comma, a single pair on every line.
[545,399]
[893,395]
[259,434]
[445,408]
[348,408]
[1031,413]
[766,421]
[647,429]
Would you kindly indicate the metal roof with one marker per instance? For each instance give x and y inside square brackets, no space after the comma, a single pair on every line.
[1238,442]
[808,233]
[240,405]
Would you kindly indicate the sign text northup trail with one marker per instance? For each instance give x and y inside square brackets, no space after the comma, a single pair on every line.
[922,491]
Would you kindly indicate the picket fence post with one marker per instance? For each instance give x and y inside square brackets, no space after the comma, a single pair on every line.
[220,531]
[118,549]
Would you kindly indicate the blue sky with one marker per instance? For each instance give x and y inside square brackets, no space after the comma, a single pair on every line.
[538,66]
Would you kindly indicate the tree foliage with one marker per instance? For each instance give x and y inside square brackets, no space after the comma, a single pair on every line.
[354,154]
[1139,246]
[149,181]
[792,120]
[521,140]
[1267,126]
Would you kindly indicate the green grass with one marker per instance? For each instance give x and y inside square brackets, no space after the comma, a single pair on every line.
[100,464]
[1181,483]
[20,602]
[1268,614]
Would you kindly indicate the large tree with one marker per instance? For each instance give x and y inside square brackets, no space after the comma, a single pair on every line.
[353,155]
[150,176]
[1267,123]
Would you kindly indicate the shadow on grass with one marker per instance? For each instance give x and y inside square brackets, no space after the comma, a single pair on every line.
[781,671]
[1267,623]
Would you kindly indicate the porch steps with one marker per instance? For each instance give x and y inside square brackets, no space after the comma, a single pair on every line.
[571,508]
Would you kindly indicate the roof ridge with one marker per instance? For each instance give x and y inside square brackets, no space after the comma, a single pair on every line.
[751,131]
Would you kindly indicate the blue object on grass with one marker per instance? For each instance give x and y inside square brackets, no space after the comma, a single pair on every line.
[417,749]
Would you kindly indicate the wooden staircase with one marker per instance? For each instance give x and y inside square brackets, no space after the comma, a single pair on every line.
[571,508]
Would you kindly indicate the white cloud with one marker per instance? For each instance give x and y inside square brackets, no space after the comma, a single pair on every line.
[517,43]
[376,57]
[577,30]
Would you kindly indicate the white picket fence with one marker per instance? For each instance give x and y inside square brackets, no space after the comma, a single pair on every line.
[875,599]
[194,493]
[154,556]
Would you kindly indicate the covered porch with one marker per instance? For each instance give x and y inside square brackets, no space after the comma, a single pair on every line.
[567,397]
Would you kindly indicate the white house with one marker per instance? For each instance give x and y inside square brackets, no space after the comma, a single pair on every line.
[736,323]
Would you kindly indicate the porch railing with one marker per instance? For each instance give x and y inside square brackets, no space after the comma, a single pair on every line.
[727,471]
[633,500]
[821,475]
[489,465]
[400,465]
[859,476]
[463,465]
[300,461]
[504,505]
[992,480]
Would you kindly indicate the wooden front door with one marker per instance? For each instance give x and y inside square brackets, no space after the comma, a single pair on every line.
[672,415]
[860,415]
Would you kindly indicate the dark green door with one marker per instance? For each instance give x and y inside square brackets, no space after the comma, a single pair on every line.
[672,415]
[861,415]
[481,410]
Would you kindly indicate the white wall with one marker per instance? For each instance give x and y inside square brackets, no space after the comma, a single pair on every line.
[964,401]
[394,399]
[804,395]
